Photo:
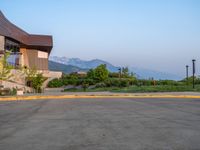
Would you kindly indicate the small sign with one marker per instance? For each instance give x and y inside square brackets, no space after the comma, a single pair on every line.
[42,54]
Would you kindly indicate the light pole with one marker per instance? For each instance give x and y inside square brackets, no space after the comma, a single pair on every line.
[187,73]
[120,72]
[193,71]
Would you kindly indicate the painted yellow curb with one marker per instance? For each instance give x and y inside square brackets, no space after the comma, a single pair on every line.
[38,97]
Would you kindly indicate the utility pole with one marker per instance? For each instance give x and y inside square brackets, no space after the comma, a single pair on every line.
[187,73]
[193,71]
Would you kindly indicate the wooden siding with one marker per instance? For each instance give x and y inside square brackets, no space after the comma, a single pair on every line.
[35,62]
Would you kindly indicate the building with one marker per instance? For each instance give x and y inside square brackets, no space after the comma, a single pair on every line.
[25,49]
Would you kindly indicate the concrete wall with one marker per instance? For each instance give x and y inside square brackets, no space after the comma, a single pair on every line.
[18,76]
[18,80]
[2,43]
[51,74]
[11,85]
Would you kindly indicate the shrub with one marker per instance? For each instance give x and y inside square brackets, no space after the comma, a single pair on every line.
[116,82]
[55,83]
[145,82]
[124,83]
[89,81]
[13,91]
[133,81]
[72,81]
[169,82]
[85,86]
[114,75]
[112,82]
[64,81]
[190,80]
[37,82]
[91,74]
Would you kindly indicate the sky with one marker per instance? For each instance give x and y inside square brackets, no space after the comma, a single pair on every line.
[161,35]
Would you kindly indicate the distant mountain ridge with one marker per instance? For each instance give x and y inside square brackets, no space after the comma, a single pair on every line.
[54,66]
[76,64]
[83,63]
[147,73]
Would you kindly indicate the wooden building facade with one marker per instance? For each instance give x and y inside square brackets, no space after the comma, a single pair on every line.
[25,49]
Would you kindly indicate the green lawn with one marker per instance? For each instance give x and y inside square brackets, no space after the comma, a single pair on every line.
[160,88]
[142,89]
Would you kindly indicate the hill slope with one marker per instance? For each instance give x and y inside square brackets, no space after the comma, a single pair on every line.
[54,66]
[83,63]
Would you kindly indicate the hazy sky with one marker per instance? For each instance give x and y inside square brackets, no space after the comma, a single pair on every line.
[155,34]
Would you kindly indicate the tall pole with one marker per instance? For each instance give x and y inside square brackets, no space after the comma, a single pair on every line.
[193,71]
[187,73]
[120,72]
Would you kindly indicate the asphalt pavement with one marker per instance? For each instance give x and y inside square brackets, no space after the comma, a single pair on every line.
[100,124]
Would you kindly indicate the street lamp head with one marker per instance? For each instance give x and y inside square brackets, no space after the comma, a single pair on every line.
[193,60]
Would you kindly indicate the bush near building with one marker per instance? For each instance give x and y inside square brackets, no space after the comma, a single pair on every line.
[34,78]
[5,68]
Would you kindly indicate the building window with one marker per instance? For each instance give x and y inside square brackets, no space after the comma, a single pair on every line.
[13,48]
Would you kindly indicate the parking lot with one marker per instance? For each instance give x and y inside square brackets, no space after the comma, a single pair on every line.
[100,124]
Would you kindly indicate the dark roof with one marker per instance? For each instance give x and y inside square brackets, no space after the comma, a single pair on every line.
[41,42]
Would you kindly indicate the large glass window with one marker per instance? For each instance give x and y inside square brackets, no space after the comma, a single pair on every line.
[14,48]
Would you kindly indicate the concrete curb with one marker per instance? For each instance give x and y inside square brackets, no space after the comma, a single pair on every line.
[40,97]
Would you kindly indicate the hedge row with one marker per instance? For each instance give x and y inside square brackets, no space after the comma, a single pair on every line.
[111,82]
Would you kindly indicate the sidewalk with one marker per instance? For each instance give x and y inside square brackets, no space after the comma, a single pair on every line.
[70,95]
[113,93]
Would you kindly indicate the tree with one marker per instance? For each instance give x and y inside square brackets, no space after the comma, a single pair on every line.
[91,74]
[133,74]
[30,72]
[101,73]
[5,68]
[125,72]
[36,79]
[37,82]
[114,75]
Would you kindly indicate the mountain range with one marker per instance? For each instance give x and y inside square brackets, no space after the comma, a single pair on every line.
[68,65]
[83,63]
[55,66]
